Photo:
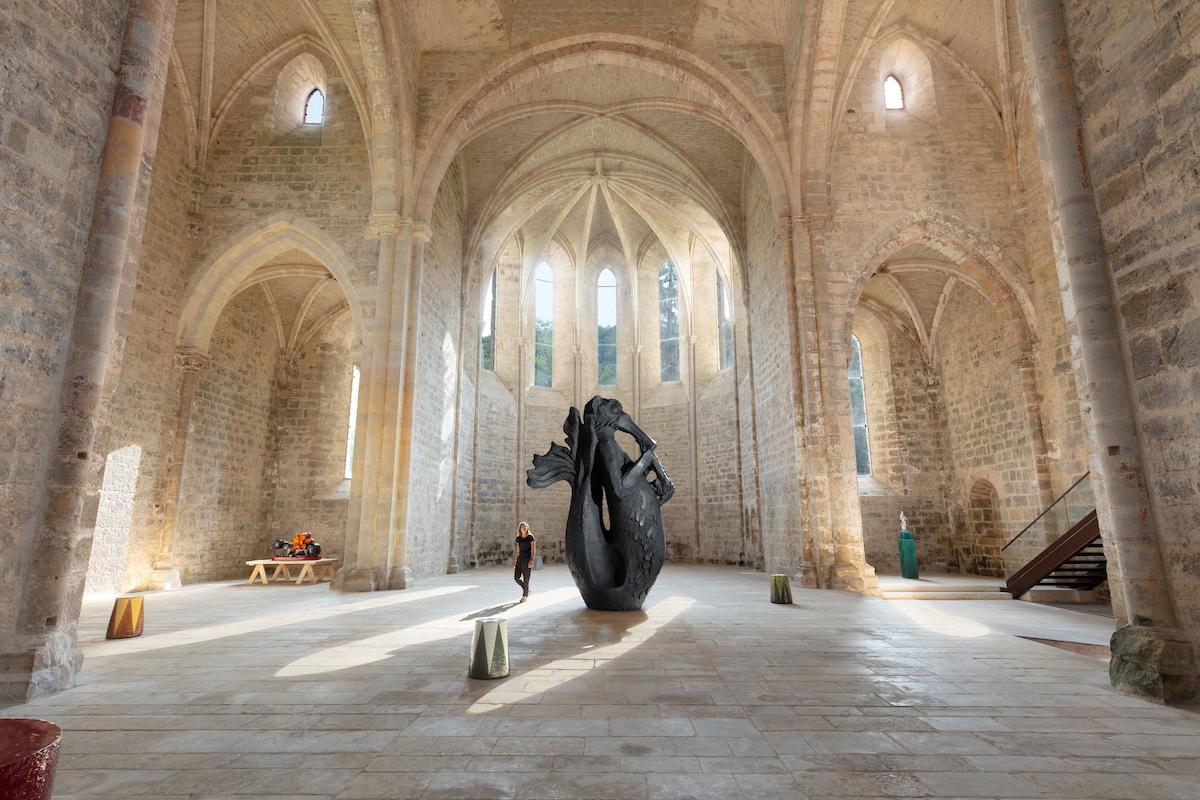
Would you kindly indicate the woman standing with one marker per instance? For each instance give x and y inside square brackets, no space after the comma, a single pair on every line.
[523,555]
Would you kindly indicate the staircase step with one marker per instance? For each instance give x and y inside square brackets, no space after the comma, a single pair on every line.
[948,593]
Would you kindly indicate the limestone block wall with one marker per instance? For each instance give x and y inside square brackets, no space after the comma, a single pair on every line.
[905,430]
[145,403]
[431,485]
[223,502]
[770,351]
[723,534]
[58,63]
[320,174]
[985,423]
[670,425]
[307,457]
[498,472]
[1136,78]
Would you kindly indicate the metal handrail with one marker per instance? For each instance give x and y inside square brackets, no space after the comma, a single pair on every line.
[1046,510]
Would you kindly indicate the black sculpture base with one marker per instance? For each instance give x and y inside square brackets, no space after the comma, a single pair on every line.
[614,567]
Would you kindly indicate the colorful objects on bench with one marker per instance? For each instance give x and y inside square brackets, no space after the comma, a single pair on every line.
[301,545]
[489,649]
[127,617]
[28,758]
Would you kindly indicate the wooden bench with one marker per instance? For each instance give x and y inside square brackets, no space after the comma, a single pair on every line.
[309,570]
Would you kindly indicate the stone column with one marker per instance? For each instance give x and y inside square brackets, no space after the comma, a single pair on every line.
[191,362]
[824,364]
[1150,656]
[50,656]
[413,241]
[361,571]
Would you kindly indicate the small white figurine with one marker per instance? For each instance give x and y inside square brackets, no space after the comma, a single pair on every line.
[903,522]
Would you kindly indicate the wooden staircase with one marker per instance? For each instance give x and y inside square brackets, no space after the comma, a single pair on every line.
[1073,561]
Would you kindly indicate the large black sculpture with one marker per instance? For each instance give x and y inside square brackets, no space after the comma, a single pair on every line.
[613,567]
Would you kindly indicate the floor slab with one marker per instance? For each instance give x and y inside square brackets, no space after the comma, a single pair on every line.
[277,691]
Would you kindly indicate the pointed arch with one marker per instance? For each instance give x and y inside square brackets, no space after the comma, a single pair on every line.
[223,274]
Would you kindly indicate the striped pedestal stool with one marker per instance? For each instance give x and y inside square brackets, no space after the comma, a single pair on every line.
[127,618]
[489,649]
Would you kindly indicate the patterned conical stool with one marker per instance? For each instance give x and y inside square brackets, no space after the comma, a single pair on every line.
[126,619]
[781,590]
[489,649]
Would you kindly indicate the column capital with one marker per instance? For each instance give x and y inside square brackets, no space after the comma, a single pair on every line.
[389,223]
[819,220]
[192,359]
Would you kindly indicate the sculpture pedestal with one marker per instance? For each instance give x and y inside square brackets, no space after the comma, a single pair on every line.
[489,649]
[781,590]
[28,758]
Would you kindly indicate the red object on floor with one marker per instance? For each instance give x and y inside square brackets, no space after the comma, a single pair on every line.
[28,757]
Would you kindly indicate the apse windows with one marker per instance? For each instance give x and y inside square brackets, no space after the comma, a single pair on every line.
[668,321]
[348,472]
[858,409]
[543,326]
[487,327]
[606,328]
[314,108]
[724,324]
[893,94]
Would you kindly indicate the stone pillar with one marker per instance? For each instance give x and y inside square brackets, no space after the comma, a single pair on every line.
[412,243]
[369,484]
[1150,655]
[191,362]
[824,362]
[49,656]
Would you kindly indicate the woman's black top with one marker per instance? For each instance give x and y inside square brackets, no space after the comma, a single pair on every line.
[526,545]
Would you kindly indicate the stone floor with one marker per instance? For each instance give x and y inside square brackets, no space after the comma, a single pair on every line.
[285,692]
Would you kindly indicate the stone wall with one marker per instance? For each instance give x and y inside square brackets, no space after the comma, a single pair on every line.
[57,63]
[986,425]
[223,501]
[145,403]
[905,429]
[722,535]
[1136,76]
[434,425]
[307,459]
[498,471]
[770,352]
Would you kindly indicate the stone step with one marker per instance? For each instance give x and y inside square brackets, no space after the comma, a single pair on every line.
[998,586]
[948,593]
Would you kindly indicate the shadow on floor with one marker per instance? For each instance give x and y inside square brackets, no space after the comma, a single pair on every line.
[487,612]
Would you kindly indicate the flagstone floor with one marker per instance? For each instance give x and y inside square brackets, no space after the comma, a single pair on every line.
[287,692]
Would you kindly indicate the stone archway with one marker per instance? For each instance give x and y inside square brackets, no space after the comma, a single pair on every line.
[978,545]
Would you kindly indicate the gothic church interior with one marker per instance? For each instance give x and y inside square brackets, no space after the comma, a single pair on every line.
[343,267]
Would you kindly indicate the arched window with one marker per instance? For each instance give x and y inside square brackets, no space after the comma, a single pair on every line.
[543,326]
[487,328]
[858,409]
[893,93]
[606,328]
[668,322]
[348,473]
[314,108]
[724,323]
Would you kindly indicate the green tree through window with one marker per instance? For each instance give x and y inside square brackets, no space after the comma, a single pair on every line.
[606,328]
[858,410]
[668,322]
[487,338]
[543,326]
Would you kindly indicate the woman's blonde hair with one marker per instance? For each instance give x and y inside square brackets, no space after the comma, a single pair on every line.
[524,525]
